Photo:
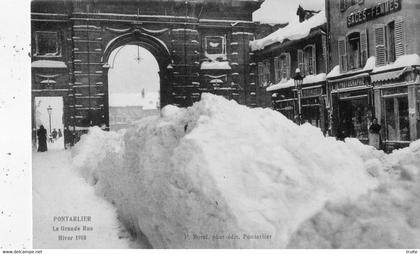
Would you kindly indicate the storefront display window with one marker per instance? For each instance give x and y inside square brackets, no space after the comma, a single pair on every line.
[355,117]
[396,119]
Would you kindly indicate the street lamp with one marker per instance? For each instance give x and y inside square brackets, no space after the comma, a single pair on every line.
[49,110]
[298,78]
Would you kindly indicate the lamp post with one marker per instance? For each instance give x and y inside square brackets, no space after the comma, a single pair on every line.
[298,78]
[49,110]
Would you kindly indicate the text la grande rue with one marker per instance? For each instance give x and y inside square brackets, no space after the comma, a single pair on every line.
[73,229]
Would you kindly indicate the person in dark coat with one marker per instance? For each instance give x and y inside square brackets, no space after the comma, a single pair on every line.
[42,139]
[68,138]
[54,134]
[60,134]
[374,134]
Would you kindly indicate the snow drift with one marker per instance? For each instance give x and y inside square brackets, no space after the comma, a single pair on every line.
[221,175]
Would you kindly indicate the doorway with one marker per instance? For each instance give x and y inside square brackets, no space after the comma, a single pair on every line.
[133,85]
[49,113]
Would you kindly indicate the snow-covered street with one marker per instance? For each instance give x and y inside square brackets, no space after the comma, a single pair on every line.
[196,178]
[58,191]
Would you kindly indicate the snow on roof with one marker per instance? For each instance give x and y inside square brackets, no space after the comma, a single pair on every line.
[214,65]
[310,79]
[370,64]
[48,64]
[293,31]
[150,100]
[281,85]
[402,61]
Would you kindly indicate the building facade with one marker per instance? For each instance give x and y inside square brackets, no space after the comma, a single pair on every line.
[200,46]
[279,54]
[374,69]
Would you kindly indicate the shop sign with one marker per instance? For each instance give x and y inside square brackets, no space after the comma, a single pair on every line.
[311,92]
[362,81]
[379,10]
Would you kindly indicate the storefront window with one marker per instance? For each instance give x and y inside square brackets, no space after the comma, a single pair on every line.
[396,119]
[355,117]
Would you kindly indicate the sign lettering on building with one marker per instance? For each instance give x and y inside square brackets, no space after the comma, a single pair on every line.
[363,81]
[379,10]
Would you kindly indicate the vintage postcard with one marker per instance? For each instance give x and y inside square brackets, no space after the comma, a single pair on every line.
[225,124]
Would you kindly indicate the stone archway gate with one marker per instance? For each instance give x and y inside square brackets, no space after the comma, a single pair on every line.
[72,41]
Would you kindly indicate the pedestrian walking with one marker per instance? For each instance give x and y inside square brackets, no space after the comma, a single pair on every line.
[68,138]
[42,139]
[374,134]
[60,134]
[54,134]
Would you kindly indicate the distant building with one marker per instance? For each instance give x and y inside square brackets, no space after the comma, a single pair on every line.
[125,109]
[375,67]
[299,45]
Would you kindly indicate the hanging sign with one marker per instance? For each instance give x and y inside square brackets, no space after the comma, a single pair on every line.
[379,10]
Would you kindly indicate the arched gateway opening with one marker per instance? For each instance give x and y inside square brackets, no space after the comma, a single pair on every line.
[143,84]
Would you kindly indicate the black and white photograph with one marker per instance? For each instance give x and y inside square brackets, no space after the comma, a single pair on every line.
[221,124]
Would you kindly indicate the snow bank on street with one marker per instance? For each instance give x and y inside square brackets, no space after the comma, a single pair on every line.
[59,191]
[385,218]
[221,175]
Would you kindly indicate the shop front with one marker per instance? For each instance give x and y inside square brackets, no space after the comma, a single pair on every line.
[397,106]
[312,100]
[313,109]
[352,106]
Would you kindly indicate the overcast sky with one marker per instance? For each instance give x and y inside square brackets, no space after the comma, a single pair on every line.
[282,11]
[128,75]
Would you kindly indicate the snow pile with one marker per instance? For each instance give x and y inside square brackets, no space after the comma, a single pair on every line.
[293,31]
[385,218]
[202,177]
[370,64]
[402,61]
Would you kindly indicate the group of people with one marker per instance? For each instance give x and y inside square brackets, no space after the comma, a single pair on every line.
[41,133]
[55,135]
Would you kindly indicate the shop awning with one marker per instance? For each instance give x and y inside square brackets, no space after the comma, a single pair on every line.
[387,75]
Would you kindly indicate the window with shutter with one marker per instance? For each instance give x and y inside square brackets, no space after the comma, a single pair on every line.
[277,69]
[380,49]
[313,71]
[399,37]
[288,65]
[267,72]
[260,73]
[301,64]
[342,55]
[364,47]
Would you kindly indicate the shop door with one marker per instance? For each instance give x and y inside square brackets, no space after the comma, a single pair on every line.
[396,119]
[354,117]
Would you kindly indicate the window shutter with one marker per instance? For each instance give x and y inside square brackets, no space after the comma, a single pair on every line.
[260,73]
[342,54]
[364,47]
[314,59]
[301,64]
[380,45]
[267,72]
[276,69]
[288,65]
[399,37]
